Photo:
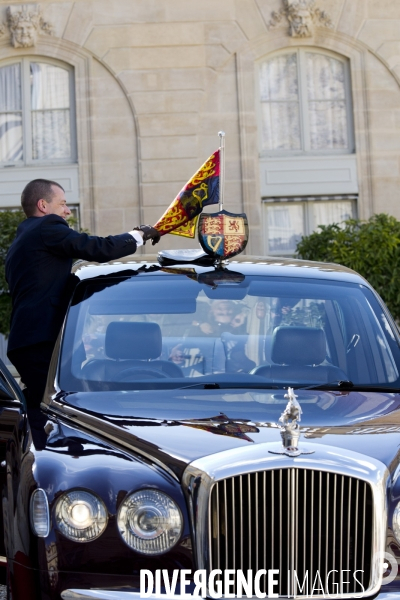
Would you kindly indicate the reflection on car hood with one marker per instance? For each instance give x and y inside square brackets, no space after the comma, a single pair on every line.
[179,426]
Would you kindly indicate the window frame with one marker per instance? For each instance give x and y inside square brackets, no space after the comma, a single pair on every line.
[307,205]
[305,137]
[27,160]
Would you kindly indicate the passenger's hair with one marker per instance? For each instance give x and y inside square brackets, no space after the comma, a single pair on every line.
[36,190]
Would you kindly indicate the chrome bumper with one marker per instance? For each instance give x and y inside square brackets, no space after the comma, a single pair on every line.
[116,595]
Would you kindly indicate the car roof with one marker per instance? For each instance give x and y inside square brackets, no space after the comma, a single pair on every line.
[271,266]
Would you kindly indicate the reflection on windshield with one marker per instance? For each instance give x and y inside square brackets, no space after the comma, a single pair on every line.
[161,332]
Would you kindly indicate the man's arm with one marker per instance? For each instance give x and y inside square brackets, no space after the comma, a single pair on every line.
[60,239]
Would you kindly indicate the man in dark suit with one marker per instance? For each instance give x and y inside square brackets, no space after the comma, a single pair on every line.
[38,271]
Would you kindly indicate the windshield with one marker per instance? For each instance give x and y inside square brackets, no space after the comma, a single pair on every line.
[162,331]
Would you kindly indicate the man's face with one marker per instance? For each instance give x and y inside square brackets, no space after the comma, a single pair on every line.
[223,312]
[58,205]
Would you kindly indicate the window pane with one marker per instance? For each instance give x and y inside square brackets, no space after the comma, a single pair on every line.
[280,126]
[51,136]
[278,78]
[10,88]
[326,102]
[10,137]
[325,213]
[11,148]
[49,87]
[325,78]
[280,103]
[328,125]
[285,228]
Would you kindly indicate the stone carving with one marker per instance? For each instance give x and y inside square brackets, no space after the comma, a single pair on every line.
[24,22]
[302,15]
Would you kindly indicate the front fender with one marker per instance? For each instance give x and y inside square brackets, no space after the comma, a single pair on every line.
[71,460]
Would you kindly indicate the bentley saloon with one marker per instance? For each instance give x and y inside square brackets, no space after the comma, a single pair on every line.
[239,424]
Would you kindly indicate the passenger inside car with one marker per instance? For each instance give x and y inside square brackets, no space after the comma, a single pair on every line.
[223,316]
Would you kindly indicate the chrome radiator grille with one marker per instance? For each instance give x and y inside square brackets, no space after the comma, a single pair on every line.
[294,520]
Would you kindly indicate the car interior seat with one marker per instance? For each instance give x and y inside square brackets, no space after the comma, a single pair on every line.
[299,354]
[132,349]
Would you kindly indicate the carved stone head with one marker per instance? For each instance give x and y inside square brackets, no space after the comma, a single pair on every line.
[24,22]
[300,16]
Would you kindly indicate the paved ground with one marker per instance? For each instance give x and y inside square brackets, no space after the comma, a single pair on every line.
[3,592]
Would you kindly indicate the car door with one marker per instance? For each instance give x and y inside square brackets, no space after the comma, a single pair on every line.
[12,434]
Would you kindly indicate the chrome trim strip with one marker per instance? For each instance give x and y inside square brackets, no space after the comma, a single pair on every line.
[242,461]
[114,433]
[76,594]
[93,594]
[233,526]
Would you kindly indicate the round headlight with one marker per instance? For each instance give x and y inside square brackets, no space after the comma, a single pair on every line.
[80,516]
[149,522]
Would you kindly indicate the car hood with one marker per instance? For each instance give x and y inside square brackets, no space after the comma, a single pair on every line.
[176,427]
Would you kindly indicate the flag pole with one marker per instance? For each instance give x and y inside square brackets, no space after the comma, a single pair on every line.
[221,168]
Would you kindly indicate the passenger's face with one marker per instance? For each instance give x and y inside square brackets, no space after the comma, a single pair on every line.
[222,312]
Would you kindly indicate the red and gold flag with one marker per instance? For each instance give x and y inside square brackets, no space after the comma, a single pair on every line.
[201,190]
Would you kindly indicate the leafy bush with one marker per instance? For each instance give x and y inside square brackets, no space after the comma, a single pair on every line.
[370,247]
[9,221]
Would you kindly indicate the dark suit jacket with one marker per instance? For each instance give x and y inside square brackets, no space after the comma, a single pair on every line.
[38,271]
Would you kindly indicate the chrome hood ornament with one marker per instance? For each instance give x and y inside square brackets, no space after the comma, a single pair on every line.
[290,430]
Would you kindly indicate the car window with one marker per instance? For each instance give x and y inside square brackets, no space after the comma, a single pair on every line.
[158,331]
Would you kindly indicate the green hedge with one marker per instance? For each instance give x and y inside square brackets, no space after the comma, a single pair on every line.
[372,248]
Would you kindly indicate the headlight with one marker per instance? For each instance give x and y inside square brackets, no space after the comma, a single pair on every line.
[149,522]
[80,516]
[396,522]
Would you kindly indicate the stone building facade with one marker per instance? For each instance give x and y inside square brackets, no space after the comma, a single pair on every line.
[122,100]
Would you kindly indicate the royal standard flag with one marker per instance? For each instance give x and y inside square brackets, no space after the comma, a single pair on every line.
[202,189]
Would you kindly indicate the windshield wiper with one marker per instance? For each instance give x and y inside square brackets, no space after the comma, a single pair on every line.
[342,384]
[349,385]
[365,387]
[231,386]
[207,385]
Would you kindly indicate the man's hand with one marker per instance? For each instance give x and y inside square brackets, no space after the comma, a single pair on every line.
[149,233]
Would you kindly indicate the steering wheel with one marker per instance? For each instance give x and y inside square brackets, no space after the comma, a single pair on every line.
[127,374]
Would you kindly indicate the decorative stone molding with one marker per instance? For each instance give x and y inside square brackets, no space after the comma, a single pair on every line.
[302,16]
[24,22]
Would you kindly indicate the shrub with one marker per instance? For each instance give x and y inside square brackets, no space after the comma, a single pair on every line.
[372,248]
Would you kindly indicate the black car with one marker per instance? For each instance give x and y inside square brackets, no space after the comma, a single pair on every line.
[221,431]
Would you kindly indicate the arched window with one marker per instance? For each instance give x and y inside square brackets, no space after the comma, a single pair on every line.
[306,139]
[37,122]
[305,103]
